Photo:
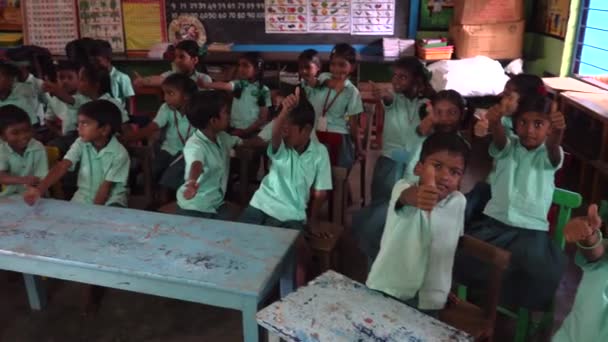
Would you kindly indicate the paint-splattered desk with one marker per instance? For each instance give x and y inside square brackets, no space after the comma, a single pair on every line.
[335,308]
[218,263]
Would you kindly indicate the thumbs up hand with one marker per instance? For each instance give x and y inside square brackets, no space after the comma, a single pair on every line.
[582,229]
[380,93]
[428,194]
[291,101]
[558,122]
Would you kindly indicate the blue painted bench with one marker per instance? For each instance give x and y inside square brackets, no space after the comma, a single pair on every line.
[218,263]
[336,308]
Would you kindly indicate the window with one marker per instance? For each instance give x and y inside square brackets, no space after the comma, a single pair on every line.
[591,58]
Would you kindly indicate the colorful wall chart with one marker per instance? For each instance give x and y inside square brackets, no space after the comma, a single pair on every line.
[50,23]
[373,17]
[329,16]
[286,16]
[102,19]
[144,23]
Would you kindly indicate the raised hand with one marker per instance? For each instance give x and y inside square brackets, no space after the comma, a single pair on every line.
[558,121]
[582,229]
[482,126]
[291,101]
[428,194]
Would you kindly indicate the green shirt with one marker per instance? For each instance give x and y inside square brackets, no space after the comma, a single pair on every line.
[31,89]
[215,158]
[245,110]
[67,114]
[33,162]
[194,76]
[337,109]
[110,164]
[523,185]
[178,129]
[588,319]
[420,245]
[285,191]
[80,99]
[122,88]
[22,96]
[401,118]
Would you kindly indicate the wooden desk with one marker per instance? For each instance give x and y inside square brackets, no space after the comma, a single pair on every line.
[336,308]
[218,263]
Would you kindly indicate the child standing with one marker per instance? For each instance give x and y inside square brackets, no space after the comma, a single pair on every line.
[587,319]
[425,220]
[251,100]
[9,95]
[168,168]
[23,160]
[61,118]
[522,191]
[101,57]
[339,100]
[207,155]
[104,162]
[299,163]
[401,118]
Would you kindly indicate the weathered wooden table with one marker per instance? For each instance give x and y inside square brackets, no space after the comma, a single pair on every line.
[223,264]
[336,308]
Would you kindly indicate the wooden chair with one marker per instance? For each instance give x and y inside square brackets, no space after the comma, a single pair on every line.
[475,320]
[323,240]
[53,155]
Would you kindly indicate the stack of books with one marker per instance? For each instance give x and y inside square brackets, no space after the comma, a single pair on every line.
[395,47]
[434,49]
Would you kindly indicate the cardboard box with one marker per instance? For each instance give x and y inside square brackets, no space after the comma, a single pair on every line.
[497,41]
[477,12]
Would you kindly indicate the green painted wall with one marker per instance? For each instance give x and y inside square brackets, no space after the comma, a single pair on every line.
[543,54]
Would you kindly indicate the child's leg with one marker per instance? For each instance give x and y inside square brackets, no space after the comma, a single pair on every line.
[383,179]
[172,179]
[477,199]
[346,153]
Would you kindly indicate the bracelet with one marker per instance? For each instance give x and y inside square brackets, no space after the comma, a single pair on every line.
[599,241]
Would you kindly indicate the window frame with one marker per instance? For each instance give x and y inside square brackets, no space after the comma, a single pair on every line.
[585,6]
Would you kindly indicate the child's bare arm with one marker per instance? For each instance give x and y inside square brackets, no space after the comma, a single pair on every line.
[225,86]
[288,104]
[57,91]
[54,175]
[499,134]
[196,170]
[103,193]
[8,179]
[148,81]
[354,132]
[558,126]
[142,133]
[585,232]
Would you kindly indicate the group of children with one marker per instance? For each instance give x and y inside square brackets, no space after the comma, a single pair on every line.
[411,230]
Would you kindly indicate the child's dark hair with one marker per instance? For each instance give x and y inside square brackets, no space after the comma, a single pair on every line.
[9,70]
[310,56]
[537,103]
[421,76]
[191,48]
[303,114]
[104,112]
[205,105]
[345,51]
[451,142]
[12,115]
[456,99]
[68,66]
[99,76]
[101,48]
[182,83]
[527,85]
[255,59]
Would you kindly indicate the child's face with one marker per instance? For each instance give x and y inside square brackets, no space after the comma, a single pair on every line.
[294,136]
[85,87]
[246,70]
[308,70]
[448,116]
[403,81]
[510,97]
[449,169]
[185,63]
[221,123]
[101,62]
[17,136]
[89,130]
[6,83]
[532,129]
[340,68]
[173,97]
[68,80]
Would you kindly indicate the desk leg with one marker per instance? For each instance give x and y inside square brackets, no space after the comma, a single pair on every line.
[251,331]
[36,292]
[289,273]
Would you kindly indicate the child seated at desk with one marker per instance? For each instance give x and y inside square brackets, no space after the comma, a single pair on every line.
[23,159]
[299,163]
[61,118]
[168,168]
[515,218]
[104,162]
[101,57]
[207,156]
[10,95]
[587,321]
[28,84]
[425,220]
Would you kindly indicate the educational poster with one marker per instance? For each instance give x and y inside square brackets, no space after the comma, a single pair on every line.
[215,11]
[329,16]
[144,23]
[286,16]
[102,19]
[552,17]
[50,23]
[373,17]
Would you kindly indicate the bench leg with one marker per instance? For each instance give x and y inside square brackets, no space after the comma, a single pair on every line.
[251,331]
[36,292]
[289,272]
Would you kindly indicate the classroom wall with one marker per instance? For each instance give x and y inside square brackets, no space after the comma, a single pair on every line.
[544,54]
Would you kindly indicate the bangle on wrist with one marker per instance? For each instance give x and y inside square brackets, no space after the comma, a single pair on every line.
[600,238]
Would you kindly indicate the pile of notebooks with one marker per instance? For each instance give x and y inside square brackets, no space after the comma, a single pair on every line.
[434,49]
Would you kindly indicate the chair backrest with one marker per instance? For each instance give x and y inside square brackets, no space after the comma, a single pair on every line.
[338,194]
[566,201]
[53,154]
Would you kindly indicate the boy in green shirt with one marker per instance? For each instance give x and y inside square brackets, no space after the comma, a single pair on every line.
[11,94]
[23,159]
[101,55]
[61,118]
[104,162]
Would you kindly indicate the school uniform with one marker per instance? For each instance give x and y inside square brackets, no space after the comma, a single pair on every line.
[33,162]
[334,110]
[213,181]
[246,110]
[122,88]
[31,90]
[57,109]
[587,321]
[421,245]
[169,163]
[80,99]
[283,196]
[22,96]
[111,164]
[516,220]
[195,76]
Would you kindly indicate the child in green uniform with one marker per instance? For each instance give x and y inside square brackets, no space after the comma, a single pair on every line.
[299,163]
[207,156]
[101,56]
[104,162]
[23,160]
[61,118]
[8,95]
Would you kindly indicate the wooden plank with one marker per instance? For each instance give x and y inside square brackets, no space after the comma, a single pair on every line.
[596,105]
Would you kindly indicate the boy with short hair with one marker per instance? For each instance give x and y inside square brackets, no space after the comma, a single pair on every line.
[299,163]
[60,117]
[104,162]
[10,93]
[23,159]
[101,55]
[424,222]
